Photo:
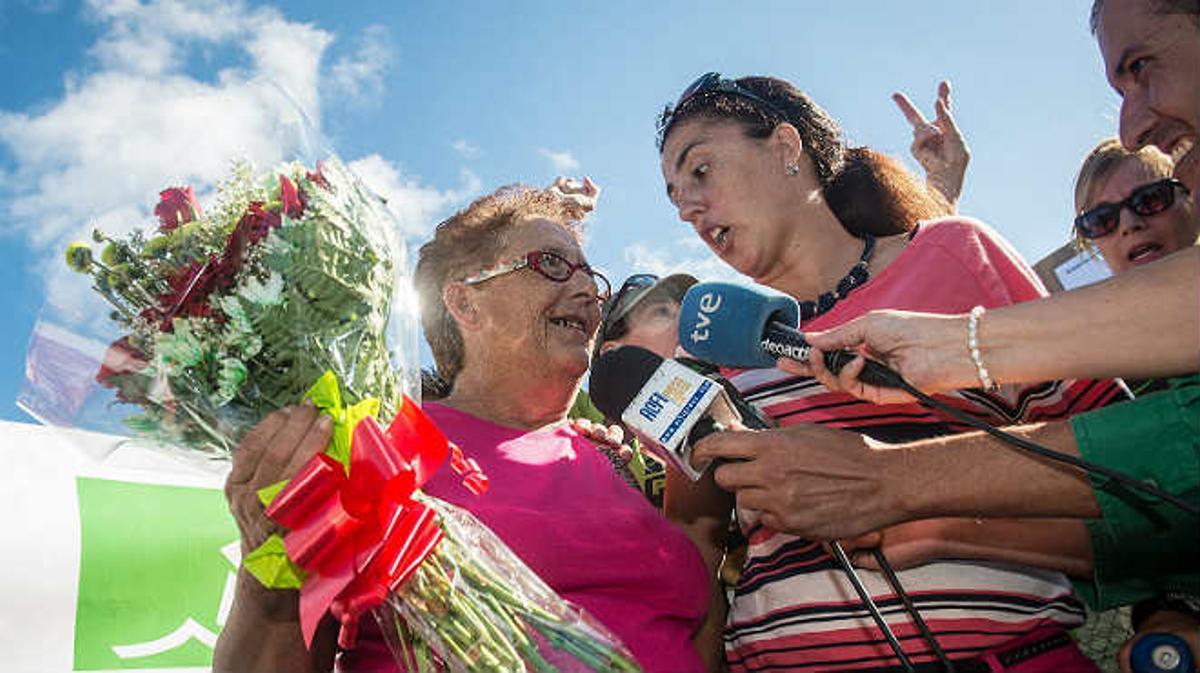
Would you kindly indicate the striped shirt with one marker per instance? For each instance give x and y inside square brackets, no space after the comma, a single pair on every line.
[793,608]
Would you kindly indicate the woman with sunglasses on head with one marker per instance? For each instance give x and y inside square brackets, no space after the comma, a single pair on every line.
[765,178]
[510,309]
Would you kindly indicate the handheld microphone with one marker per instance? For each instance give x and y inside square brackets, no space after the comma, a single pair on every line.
[666,404]
[739,326]
[672,407]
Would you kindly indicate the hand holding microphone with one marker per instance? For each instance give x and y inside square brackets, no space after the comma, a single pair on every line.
[808,480]
[928,350]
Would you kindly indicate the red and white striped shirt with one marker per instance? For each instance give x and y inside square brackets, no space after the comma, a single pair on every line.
[793,609]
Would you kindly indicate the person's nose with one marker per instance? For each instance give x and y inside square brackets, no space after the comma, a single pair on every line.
[583,283]
[1137,120]
[1129,222]
[690,207]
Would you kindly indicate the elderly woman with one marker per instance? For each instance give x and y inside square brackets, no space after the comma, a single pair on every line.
[510,309]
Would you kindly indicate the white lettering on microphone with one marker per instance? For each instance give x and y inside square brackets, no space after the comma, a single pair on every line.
[709,303]
[780,350]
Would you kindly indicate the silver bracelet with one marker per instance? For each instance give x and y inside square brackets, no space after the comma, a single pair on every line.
[973,348]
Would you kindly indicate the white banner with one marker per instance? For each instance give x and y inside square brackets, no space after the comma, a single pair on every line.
[125,564]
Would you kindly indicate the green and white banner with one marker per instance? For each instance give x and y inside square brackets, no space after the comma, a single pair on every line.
[124,564]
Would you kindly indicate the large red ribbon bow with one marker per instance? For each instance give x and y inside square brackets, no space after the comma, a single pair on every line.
[360,536]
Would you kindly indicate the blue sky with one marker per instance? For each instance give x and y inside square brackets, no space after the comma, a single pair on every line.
[104,103]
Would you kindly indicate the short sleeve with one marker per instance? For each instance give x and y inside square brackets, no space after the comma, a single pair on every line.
[1141,545]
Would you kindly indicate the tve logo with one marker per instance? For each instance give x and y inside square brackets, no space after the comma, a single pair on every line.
[709,303]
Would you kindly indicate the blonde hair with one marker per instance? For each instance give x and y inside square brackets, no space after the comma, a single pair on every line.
[1102,162]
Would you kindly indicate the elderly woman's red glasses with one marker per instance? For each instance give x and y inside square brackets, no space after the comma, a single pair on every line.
[550,265]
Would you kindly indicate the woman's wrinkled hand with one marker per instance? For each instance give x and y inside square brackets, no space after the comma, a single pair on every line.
[272,451]
[927,349]
[611,435]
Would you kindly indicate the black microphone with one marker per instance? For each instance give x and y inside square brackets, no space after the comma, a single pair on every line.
[782,340]
[666,404]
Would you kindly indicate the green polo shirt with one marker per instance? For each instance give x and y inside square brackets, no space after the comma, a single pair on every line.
[1141,545]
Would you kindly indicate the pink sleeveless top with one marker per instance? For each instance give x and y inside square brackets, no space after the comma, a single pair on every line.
[595,540]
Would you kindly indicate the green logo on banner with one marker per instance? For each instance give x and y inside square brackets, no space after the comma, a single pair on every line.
[156,574]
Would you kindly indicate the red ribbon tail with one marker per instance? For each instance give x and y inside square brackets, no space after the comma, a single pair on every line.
[315,598]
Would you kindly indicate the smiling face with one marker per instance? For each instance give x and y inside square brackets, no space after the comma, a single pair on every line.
[529,325]
[1141,239]
[1151,59]
[734,191]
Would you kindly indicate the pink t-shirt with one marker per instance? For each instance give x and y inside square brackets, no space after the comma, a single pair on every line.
[595,540]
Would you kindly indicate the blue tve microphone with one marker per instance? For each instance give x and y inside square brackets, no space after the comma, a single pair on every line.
[739,326]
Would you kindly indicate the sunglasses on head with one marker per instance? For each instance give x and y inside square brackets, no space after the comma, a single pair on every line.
[708,83]
[551,266]
[616,304]
[1146,200]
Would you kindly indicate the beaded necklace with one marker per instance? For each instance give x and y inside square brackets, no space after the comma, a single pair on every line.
[857,275]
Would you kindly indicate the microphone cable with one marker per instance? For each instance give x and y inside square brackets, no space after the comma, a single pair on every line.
[876,373]
[755,419]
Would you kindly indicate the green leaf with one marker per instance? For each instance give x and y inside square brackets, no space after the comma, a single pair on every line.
[271,566]
[326,395]
[343,430]
[266,494]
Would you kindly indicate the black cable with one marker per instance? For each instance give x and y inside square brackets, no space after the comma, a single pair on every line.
[878,374]
[865,597]
[889,573]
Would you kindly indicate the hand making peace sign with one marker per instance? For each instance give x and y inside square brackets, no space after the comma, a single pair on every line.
[938,145]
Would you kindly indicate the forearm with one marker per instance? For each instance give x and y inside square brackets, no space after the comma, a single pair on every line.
[1143,323]
[1055,544]
[976,475]
[263,634]
[702,510]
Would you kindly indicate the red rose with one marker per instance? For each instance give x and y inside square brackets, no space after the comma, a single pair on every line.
[120,358]
[292,200]
[318,177]
[177,205]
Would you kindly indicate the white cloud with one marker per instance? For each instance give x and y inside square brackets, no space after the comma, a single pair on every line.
[361,74]
[417,207]
[133,122]
[563,162]
[685,255]
[465,148]
[153,38]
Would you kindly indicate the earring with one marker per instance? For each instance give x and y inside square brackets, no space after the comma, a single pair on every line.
[792,169]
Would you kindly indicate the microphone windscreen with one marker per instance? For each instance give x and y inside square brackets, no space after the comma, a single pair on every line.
[724,323]
[618,375]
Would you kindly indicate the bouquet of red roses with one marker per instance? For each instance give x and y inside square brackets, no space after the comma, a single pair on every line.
[285,289]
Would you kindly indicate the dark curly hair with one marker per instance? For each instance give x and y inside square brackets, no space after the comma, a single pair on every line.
[869,192]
